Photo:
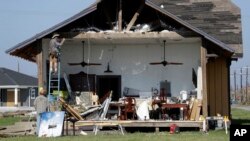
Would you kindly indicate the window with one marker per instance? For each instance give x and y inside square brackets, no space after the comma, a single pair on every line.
[32,92]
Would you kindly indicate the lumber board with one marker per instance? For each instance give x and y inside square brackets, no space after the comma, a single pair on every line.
[70,109]
[139,123]
[199,106]
[194,110]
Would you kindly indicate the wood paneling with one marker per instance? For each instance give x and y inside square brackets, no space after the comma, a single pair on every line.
[217,85]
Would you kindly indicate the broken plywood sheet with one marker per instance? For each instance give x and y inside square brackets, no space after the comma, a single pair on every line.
[199,104]
[194,110]
[70,109]
[19,128]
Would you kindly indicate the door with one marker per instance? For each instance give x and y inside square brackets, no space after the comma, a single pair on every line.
[107,83]
[10,99]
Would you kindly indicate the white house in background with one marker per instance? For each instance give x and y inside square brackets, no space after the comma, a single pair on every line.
[17,89]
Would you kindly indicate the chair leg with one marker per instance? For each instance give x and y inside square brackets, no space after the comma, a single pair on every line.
[120,126]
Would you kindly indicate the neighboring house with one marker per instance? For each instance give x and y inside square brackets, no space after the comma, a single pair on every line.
[17,89]
[203,35]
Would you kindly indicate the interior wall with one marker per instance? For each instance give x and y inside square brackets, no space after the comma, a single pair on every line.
[132,63]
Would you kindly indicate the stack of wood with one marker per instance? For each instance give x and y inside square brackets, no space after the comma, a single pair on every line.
[195,110]
[70,110]
[19,128]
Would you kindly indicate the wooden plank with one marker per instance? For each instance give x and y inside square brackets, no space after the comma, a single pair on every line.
[199,106]
[204,82]
[190,108]
[194,110]
[132,21]
[218,86]
[212,88]
[39,61]
[131,35]
[70,109]
[120,16]
[225,89]
[138,123]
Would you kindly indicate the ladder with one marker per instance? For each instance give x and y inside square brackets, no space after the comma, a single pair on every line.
[54,85]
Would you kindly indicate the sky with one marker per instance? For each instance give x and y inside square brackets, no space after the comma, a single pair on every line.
[22,19]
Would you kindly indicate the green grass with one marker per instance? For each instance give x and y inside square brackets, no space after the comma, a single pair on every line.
[240,116]
[161,136]
[4,121]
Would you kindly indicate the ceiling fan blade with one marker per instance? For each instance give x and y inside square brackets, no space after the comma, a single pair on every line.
[74,64]
[155,63]
[174,63]
[93,64]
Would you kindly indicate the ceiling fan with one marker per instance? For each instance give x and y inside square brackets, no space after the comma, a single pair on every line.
[164,62]
[83,63]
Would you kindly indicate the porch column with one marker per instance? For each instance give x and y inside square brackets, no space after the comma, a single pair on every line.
[39,61]
[16,97]
[204,81]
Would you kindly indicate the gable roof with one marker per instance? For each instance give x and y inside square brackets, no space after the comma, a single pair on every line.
[13,78]
[221,19]
[156,4]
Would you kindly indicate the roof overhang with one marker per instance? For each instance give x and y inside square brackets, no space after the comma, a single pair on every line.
[39,36]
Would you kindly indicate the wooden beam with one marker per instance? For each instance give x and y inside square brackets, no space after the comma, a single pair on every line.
[126,35]
[204,81]
[139,123]
[39,61]
[120,17]
[132,21]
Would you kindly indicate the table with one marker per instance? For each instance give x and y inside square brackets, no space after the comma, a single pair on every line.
[183,107]
[119,105]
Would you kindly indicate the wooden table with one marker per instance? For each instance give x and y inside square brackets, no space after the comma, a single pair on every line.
[182,107]
[119,105]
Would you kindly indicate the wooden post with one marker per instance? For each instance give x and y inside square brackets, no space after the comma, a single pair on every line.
[246,100]
[120,17]
[39,61]
[204,82]
[241,87]
[132,22]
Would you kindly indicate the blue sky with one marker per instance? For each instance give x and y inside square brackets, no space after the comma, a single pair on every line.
[22,19]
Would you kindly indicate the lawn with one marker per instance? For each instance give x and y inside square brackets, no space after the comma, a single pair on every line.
[239,117]
[161,136]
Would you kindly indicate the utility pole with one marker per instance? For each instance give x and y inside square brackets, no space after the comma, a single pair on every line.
[241,92]
[235,89]
[246,83]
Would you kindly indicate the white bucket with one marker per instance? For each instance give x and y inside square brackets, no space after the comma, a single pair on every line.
[184,95]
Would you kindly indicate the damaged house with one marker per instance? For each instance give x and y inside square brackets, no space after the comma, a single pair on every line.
[145,48]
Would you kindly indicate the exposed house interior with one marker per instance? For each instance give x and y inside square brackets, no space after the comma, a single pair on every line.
[142,52]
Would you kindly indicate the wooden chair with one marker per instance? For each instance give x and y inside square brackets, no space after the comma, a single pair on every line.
[129,108]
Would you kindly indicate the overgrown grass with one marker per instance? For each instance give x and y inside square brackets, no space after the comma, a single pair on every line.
[4,121]
[161,136]
[240,116]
